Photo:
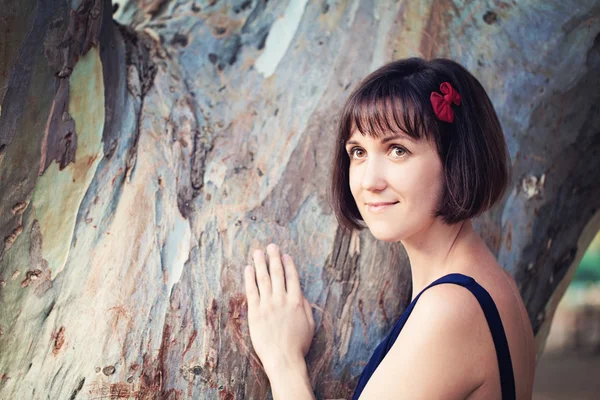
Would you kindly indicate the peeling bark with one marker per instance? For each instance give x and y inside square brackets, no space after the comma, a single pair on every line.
[120,265]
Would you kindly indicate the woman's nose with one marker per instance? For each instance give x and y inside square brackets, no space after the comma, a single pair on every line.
[373,177]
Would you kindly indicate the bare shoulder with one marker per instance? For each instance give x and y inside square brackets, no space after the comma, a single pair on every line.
[448,302]
[440,339]
[453,317]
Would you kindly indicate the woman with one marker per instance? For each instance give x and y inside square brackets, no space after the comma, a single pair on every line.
[419,152]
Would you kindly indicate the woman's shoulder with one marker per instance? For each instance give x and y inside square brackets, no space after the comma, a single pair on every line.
[453,311]
[438,340]
[464,306]
[446,301]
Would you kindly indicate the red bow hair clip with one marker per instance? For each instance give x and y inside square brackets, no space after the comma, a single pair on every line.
[442,105]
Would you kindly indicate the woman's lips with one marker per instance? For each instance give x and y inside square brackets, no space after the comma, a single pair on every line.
[379,209]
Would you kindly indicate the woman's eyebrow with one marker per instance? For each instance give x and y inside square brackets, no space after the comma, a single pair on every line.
[385,139]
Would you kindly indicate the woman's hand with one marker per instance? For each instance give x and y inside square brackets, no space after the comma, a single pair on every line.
[280,319]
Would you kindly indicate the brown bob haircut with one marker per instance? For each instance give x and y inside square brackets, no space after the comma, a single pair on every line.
[471,148]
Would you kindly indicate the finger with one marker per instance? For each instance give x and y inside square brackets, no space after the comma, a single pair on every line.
[251,290]
[291,277]
[309,314]
[262,275]
[276,270]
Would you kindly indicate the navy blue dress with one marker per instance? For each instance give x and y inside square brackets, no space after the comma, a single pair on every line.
[492,316]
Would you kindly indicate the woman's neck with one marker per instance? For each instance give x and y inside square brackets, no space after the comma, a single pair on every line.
[433,252]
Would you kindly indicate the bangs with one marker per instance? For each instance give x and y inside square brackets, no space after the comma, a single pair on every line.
[379,110]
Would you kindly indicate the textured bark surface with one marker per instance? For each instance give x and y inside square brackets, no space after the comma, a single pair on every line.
[142,159]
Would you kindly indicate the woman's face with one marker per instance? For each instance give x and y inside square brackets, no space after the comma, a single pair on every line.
[395,169]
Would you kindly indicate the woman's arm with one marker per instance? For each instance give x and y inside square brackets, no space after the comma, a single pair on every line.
[281,322]
[291,379]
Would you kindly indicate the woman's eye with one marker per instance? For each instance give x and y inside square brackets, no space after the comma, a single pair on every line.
[357,152]
[353,152]
[399,151]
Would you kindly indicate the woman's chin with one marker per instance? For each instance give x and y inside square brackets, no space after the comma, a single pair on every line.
[386,235]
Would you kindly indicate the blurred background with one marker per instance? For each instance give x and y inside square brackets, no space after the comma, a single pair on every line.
[570,365]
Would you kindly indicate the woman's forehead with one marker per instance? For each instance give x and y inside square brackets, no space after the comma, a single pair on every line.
[384,120]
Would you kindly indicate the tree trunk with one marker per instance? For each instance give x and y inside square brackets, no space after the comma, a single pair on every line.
[142,160]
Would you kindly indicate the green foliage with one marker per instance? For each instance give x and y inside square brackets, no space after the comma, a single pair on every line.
[589,267]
